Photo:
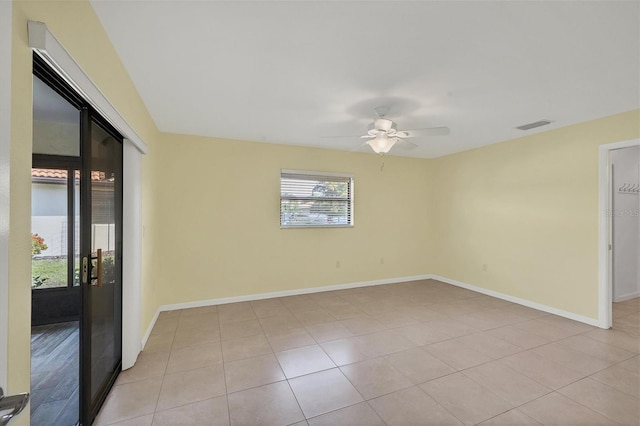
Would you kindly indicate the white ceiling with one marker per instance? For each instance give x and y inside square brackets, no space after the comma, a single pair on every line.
[296,72]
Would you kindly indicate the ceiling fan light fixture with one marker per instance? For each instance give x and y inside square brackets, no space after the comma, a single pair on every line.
[382,144]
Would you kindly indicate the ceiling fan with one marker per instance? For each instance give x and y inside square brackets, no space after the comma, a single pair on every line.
[383,133]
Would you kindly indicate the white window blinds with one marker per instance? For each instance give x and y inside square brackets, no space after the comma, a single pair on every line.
[315,199]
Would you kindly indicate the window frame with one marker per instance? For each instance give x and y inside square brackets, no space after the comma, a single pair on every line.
[327,176]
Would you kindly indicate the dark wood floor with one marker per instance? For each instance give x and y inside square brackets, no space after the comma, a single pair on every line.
[54,374]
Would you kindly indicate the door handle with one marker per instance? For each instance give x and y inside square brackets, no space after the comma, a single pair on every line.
[15,403]
[99,258]
[85,269]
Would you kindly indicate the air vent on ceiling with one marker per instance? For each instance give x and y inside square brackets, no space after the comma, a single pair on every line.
[534,125]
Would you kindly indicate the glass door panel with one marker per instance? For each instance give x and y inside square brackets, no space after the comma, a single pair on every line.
[102,226]
[56,125]
[55,296]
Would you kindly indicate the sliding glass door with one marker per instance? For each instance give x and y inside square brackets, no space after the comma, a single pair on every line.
[77,173]
[101,249]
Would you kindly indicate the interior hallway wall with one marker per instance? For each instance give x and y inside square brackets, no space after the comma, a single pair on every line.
[626,223]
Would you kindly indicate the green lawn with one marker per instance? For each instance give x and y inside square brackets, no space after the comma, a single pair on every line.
[54,270]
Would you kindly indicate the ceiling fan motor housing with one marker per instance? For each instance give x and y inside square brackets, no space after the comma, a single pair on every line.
[384,124]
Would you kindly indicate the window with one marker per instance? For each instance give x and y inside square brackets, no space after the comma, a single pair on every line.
[315,199]
[53,234]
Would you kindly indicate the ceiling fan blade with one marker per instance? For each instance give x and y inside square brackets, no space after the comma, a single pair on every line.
[341,137]
[429,131]
[404,144]
[367,136]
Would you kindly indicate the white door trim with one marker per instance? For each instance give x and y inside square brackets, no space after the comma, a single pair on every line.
[6,29]
[42,41]
[132,254]
[605,286]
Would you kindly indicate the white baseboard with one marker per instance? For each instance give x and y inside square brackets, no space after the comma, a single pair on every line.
[271,295]
[524,302]
[627,297]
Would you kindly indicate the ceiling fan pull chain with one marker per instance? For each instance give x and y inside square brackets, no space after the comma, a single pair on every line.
[382,164]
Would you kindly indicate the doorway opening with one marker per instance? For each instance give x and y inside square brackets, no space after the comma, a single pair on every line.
[625,233]
[76,344]
[619,236]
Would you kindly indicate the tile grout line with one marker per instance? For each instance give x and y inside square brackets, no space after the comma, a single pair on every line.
[580,403]
[281,368]
[164,374]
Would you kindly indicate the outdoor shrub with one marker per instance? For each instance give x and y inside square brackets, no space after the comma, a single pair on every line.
[37,244]
[38,281]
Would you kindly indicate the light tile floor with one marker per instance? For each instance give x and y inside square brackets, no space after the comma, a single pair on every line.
[410,353]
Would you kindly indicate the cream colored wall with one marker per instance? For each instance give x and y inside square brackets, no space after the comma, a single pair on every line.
[6,33]
[19,318]
[528,209]
[218,232]
[76,26]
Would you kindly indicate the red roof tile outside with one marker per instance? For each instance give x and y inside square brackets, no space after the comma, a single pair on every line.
[57,174]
